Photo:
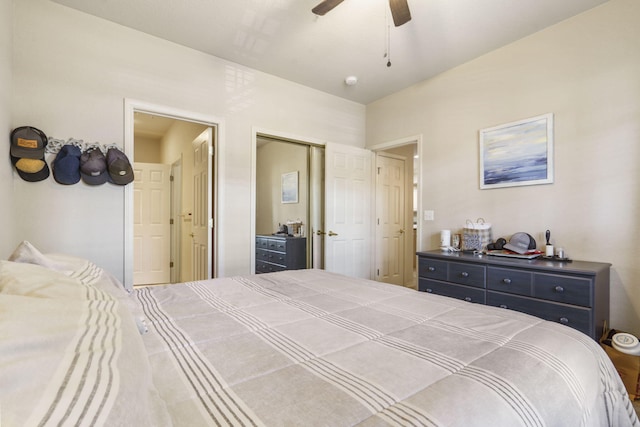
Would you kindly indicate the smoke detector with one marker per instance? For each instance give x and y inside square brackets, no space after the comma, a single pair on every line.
[351,80]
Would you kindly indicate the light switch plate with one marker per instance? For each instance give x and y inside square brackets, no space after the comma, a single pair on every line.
[429,215]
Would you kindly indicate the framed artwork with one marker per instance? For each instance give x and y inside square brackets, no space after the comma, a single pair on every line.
[290,187]
[517,153]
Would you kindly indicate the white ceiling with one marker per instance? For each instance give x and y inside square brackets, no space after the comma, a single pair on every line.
[283,37]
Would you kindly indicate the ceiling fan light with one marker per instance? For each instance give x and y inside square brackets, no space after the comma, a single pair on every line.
[351,80]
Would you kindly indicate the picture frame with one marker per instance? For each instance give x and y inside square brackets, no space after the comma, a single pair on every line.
[290,187]
[517,153]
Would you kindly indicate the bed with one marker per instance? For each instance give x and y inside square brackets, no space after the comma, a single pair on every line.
[294,348]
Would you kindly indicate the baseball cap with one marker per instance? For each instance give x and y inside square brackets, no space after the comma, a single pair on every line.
[93,167]
[66,166]
[28,142]
[521,243]
[27,153]
[119,167]
[31,170]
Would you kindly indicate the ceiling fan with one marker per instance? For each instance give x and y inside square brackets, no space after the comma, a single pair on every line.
[399,10]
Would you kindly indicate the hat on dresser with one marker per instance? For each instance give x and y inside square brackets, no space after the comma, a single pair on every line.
[521,243]
[93,167]
[27,153]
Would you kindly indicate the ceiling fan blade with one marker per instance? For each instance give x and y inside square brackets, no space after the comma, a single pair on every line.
[400,12]
[325,6]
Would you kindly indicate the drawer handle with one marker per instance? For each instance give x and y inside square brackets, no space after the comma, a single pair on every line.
[464,274]
[506,281]
[468,299]
[559,289]
[503,306]
[429,290]
[431,269]
[564,320]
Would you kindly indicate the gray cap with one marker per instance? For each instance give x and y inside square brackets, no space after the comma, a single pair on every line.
[93,167]
[28,142]
[120,170]
[521,243]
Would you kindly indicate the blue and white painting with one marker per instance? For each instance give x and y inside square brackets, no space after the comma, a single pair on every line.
[518,153]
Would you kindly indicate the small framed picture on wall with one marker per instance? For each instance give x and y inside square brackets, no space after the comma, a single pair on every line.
[290,187]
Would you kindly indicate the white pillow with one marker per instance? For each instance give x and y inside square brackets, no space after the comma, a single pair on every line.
[27,253]
[36,281]
[70,266]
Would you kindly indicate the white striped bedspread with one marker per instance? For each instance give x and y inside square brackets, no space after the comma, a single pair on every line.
[312,348]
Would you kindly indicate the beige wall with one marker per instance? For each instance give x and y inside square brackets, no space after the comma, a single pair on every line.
[7,239]
[92,66]
[586,71]
[147,150]
[274,159]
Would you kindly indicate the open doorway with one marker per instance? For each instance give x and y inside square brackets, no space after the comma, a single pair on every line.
[169,148]
[397,207]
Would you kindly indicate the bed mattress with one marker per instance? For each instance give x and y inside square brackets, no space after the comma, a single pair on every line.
[294,348]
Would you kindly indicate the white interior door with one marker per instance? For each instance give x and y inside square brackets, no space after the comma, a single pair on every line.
[151,229]
[202,220]
[348,210]
[390,215]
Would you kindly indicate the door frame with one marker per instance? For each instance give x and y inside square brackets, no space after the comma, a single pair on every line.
[175,272]
[257,132]
[132,106]
[412,139]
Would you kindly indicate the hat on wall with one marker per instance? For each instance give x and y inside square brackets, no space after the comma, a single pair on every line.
[66,166]
[28,142]
[93,167]
[119,167]
[521,243]
[31,170]
[27,153]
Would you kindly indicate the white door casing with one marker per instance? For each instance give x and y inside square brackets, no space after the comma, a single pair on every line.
[390,219]
[202,221]
[151,227]
[348,210]
[176,221]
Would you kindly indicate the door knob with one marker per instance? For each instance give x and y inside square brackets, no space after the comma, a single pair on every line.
[401,231]
[192,235]
[331,233]
[320,232]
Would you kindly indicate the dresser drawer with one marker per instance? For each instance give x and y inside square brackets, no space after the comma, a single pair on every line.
[467,274]
[466,293]
[262,243]
[270,256]
[575,317]
[266,267]
[433,269]
[567,289]
[509,280]
[279,245]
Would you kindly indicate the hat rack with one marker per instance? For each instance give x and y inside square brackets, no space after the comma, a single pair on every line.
[54,145]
